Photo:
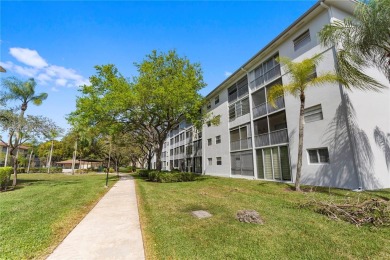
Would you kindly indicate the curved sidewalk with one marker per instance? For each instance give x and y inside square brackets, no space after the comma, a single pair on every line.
[111,230]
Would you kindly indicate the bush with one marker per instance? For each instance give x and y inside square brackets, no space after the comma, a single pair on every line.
[21,170]
[143,173]
[5,175]
[167,177]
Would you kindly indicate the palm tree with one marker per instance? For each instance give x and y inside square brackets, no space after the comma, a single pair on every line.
[361,42]
[16,89]
[52,134]
[302,75]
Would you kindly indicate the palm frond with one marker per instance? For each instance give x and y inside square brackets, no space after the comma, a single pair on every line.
[273,94]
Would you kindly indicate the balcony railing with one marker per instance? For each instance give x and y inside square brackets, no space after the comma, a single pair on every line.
[266,77]
[279,137]
[279,103]
[241,144]
[260,110]
[275,137]
[266,108]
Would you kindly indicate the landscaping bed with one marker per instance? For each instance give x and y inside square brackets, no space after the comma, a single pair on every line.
[289,231]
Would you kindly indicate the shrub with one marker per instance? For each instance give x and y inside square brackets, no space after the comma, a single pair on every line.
[143,173]
[21,170]
[5,175]
[167,177]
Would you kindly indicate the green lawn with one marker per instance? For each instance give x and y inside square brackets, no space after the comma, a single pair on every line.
[43,209]
[289,232]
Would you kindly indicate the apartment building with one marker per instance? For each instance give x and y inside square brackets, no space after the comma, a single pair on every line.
[258,141]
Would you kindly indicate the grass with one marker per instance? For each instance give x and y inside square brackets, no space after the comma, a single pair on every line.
[289,232]
[43,209]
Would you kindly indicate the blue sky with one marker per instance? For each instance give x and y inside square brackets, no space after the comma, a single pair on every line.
[59,43]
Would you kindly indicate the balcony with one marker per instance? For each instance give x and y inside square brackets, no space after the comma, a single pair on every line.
[266,77]
[275,137]
[266,108]
[241,144]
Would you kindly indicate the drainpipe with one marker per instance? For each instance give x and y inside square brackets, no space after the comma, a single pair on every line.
[342,93]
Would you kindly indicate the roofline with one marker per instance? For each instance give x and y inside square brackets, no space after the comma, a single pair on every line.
[242,67]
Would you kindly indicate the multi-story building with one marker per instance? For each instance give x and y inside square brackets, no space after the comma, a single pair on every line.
[23,151]
[258,141]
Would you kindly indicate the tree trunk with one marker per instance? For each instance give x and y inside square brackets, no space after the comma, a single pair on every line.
[6,156]
[149,160]
[51,154]
[158,155]
[14,161]
[74,157]
[300,143]
[29,162]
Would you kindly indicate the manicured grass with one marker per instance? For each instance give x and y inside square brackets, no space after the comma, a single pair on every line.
[43,209]
[289,232]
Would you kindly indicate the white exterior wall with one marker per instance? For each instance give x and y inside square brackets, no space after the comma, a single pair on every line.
[222,149]
[356,160]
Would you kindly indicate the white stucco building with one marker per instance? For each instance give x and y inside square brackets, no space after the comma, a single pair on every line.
[256,141]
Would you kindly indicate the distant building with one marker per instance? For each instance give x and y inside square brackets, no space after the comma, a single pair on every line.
[257,141]
[23,151]
[79,164]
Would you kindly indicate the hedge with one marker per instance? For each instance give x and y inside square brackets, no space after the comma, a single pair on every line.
[5,175]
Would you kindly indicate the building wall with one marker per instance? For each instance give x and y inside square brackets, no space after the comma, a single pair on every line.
[217,150]
[352,125]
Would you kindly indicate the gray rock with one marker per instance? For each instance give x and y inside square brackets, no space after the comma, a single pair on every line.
[249,216]
[201,214]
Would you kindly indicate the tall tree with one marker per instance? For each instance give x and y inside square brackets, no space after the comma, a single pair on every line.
[163,94]
[16,89]
[302,75]
[52,134]
[166,93]
[362,42]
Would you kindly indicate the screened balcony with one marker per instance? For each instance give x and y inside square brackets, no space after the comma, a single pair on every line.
[260,105]
[266,72]
[271,130]
[240,138]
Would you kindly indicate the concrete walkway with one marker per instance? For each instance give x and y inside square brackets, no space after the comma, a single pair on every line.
[110,231]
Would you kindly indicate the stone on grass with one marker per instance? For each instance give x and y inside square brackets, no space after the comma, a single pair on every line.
[201,214]
[249,216]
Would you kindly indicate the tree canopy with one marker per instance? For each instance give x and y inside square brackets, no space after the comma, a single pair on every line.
[165,93]
[362,42]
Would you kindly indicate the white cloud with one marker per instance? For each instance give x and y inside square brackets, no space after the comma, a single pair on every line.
[54,89]
[28,57]
[44,73]
[24,71]
[61,82]
[227,73]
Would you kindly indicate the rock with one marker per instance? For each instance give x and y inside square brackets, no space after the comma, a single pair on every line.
[201,214]
[249,216]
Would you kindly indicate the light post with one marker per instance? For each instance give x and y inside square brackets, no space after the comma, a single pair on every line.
[109,160]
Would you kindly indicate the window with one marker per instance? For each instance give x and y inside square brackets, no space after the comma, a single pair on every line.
[209,141]
[218,139]
[219,160]
[320,155]
[313,113]
[210,161]
[208,105]
[301,40]
[216,100]
[313,74]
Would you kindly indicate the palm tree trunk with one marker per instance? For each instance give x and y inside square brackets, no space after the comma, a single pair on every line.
[6,157]
[29,162]
[74,157]
[51,153]
[300,143]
